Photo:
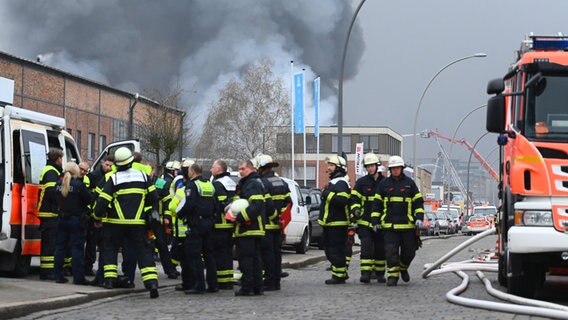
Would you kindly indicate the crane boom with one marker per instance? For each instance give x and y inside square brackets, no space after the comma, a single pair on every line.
[482,161]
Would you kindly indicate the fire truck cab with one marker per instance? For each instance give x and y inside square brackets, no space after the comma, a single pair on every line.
[25,138]
[528,111]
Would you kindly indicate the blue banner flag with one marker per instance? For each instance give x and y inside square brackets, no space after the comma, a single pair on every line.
[316,105]
[299,103]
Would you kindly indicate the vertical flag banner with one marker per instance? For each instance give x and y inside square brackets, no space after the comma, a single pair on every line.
[358,159]
[299,103]
[316,105]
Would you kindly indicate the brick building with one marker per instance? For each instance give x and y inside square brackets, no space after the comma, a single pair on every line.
[96,114]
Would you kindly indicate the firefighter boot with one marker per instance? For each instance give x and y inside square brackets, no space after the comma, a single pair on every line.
[392,282]
[380,277]
[153,288]
[365,276]
[404,275]
[335,281]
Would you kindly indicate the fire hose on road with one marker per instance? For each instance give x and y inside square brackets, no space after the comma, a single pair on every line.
[521,305]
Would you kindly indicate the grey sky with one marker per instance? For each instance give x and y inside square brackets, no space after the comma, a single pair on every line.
[396,47]
[408,41]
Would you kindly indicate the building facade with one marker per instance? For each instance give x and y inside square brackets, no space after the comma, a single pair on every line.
[96,114]
[383,141]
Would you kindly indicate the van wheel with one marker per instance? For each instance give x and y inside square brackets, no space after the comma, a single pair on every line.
[304,245]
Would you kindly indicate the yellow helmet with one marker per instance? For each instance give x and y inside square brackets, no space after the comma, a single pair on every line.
[370,158]
[123,156]
[336,160]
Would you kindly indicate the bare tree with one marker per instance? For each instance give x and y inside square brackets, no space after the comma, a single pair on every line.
[166,128]
[247,116]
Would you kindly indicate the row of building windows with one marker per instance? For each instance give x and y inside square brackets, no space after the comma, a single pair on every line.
[91,138]
[328,143]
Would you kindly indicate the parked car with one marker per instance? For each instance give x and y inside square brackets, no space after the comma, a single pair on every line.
[444,222]
[312,198]
[454,216]
[476,224]
[434,224]
[297,232]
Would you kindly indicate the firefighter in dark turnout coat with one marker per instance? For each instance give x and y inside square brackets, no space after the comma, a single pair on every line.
[399,208]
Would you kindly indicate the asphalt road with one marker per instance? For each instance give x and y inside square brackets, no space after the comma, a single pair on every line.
[305,296]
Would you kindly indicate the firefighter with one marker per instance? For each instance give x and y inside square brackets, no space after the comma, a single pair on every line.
[249,230]
[98,179]
[90,237]
[277,200]
[225,189]
[334,218]
[130,191]
[197,214]
[73,200]
[156,226]
[177,188]
[362,198]
[48,212]
[399,207]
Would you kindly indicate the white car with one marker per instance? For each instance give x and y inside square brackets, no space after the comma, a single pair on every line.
[297,232]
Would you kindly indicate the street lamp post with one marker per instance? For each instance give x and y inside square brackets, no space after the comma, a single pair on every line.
[468,164]
[340,93]
[454,139]
[477,55]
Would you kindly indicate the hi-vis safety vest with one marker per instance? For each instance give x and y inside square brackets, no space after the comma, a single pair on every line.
[176,203]
[47,208]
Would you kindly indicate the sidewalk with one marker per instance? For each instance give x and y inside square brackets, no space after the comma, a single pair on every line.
[20,297]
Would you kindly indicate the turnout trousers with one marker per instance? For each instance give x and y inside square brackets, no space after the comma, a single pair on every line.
[335,239]
[115,235]
[400,250]
[223,252]
[272,258]
[372,250]
[48,227]
[250,263]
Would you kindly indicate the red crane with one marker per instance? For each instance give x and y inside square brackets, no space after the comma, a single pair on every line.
[484,164]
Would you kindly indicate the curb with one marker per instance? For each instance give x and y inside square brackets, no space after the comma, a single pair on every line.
[311,260]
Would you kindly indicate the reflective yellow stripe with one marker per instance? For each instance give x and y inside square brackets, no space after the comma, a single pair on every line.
[151,188]
[130,191]
[106,196]
[281,196]
[343,194]
[125,221]
[245,215]
[47,215]
[417,196]
[395,199]
[255,197]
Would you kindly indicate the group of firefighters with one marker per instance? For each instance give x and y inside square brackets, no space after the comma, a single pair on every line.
[118,205]
[385,211]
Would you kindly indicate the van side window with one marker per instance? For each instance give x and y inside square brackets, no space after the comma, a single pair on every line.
[34,155]
[17,160]
[300,198]
[71,152]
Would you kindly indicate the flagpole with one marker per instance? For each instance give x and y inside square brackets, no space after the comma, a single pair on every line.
[316,128]
[292,84]
[304,122]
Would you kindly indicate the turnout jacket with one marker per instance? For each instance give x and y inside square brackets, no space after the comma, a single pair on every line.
[50,174]
[250,222]
[277,198]
[225,192]
[129,191]
[334,211]
[362,198]
[398,204]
